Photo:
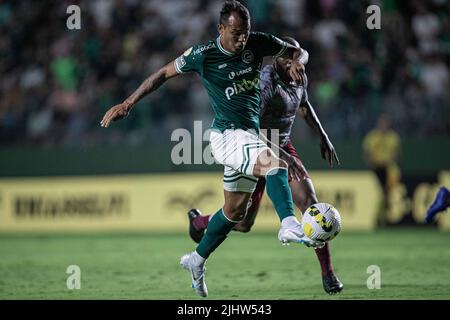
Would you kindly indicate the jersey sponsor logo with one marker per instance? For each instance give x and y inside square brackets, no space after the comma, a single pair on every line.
[204,48]
[243,86]
[234,74]
[247,56]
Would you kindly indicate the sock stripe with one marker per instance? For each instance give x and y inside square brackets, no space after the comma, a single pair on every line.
[275,168]
[232,221]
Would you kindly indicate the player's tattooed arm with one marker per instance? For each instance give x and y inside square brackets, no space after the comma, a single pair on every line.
[327,150]
[149,85]
[152,83]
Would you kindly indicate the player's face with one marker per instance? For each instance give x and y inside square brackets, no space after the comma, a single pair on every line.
[234,34]
[282,66]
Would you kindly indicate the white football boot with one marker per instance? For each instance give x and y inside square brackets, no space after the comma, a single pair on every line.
[290,231]
[194,263]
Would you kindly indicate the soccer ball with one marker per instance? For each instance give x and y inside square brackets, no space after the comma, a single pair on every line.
[321,222]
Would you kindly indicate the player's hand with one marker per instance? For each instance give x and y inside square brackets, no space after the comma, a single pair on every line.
[297,72]
[295,168]
[328,152]
[117,112]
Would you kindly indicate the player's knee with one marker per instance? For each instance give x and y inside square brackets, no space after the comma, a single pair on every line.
[268,161]
[282,164]
[278,163]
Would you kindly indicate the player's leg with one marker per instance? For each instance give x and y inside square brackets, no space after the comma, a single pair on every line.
[252,208]
[440,203]
[304,195]
[199,222]
[232,149]
[250,157]
[219,226]
[223,221]
[275,170]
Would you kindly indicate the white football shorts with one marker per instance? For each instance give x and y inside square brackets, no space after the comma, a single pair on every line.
[238,151]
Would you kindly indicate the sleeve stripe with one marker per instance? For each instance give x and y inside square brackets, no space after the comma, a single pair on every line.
[282,50]
[177,68]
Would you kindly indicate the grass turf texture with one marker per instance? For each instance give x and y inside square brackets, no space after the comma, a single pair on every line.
[414,264]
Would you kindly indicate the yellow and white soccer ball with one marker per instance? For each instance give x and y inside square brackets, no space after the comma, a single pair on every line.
[321,222]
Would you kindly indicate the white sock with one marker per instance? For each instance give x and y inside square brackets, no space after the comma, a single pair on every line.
[197,259]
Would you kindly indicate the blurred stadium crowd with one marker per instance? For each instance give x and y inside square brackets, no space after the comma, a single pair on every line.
[56,83]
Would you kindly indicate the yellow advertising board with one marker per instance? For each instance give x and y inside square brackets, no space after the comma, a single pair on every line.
[160,201]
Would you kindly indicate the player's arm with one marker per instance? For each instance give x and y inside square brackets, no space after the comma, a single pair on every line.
[300,58]
[297,53]
[276,47]
[327,150]
[149,85]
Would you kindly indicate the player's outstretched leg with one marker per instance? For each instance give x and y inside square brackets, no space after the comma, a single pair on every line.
[331,283]
[275,171]
[440,203]
[304,195]
[199,222]
[217,231]
[219,226]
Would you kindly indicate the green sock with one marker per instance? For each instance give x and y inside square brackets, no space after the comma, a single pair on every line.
[218,228]
[277,186]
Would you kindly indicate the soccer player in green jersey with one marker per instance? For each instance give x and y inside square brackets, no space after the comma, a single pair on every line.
[281,101]
[229,68]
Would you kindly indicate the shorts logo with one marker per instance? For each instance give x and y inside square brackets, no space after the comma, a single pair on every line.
[247,56]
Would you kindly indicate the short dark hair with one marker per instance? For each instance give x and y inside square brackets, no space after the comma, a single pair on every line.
[233,6]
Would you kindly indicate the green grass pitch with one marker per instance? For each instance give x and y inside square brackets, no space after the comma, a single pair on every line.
[414,263]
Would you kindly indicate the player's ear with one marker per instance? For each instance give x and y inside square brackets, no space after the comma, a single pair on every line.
[220,28]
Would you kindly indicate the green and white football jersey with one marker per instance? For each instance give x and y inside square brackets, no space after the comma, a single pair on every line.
[232,80]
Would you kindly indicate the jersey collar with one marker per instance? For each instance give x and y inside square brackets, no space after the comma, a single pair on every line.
[222,49]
